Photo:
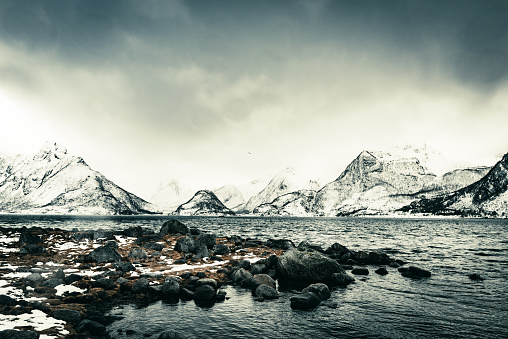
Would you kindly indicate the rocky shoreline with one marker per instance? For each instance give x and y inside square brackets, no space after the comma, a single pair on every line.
[60,284]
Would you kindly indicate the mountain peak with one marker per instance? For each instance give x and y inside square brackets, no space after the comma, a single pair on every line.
[51,150]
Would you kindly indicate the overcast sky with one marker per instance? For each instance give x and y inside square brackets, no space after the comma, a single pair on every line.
[213,92]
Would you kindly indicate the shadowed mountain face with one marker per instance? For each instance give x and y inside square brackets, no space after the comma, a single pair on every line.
[485,197]
[204,202]
[53,181]
[377,183]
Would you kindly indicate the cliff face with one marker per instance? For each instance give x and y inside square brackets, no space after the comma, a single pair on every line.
[485,197]
[204,202]
[53,181]
[377,183]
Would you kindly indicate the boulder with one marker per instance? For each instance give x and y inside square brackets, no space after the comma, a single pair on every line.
[341,279]
[305,301]
[320,289]
[414,272]
[249,283]
[186,245]
[476,277]
[204,293]
[32,249]
[186,294]
[240,275]
[378,258]
[34,278]
[5,300]
[265,279]
[202,251]
[103,254]
[154,246]
[381,271]
[171,289]
[207,281]
[170,335]
[140,286]
[125,267]
[104,283]
[220,249]
[70,316]
[266,292]
[307,266]
[282,244]
[17,334]
[53,282]
[207,239]
[72,278]
[360,271]
[138,254]
[90,326]
[258,269]
[173,227]
[29,238]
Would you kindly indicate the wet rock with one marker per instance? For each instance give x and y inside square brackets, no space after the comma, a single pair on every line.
[170,335]
[104,283]
[305,301]
[140,286]
[173,227]
[171,289]
[476,277]
[265,279]
[93,327]
[307,266]
[360,271]
[305,245]
[207,281]
[249,283]
[185,245]
[282,244]
[204,293]
[34,278]
[337,249]
[342,279]
[103,254]
[266,292]
[240,275]
[138,254]
[5,300]
[53,282]
[220,249]
[17,334]
[195,231]
[186,294]
[414,272]
[70,316]
[381,271]
[378,258]
[320,289]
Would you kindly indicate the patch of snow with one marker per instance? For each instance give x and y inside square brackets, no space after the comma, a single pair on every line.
[39,320]
[61,289]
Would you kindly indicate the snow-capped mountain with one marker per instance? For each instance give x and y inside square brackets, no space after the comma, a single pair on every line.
[53,181]
[169,196]
[485,197]
[286,181]
[230,196]
[204,202]
[378,182]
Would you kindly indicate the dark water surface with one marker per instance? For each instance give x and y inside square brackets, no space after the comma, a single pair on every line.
[447,305]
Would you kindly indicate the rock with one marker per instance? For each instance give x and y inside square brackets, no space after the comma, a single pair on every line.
[140,286]
[265,279]
[338,249]
[34,278]
[342,279]
[125,267]
[70,316]
[305,245]
[59,274]
[120,281]
[378,258]
[202,251]
[476,276]
[104,283]
[360,271]
[204,293]
[381,271]
[307,266]
[282,244]
[154,246]
[185,244]
[320,289]
[414,272]
[305,301]
[16,334]
[72,278]
[90,326]
[193,280]
[258,269]
[171,290]
[201,275]
[111,243]
[207,281]
[103,254]
[53,282]
[240,275]
[271,261]
[220,249]
[245,264]
[207,239]
[195,231]
[170,335]
[266,292]
[249,283]
[32,249]
[186,294]
[173,227]
[138,254]
[29,238]
[5,300]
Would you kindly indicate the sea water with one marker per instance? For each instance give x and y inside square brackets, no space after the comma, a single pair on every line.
[447,305]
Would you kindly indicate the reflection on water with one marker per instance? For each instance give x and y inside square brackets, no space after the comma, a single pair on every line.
[448,304]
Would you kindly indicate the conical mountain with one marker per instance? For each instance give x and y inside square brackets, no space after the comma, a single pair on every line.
[204,202]
[230,196]
[55,182]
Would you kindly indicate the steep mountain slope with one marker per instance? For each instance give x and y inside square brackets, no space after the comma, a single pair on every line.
[204,202]
[485,197]
[169,196]
[53,181]
[230,196]
[378,183]
[286,181]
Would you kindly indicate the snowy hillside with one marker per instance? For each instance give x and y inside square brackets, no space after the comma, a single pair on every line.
[204,202]
[230,196]
[169,196]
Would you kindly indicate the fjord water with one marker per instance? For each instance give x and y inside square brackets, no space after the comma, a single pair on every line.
[447,305]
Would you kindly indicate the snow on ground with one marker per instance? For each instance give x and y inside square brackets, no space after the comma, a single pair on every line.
[62,289]
[39,320]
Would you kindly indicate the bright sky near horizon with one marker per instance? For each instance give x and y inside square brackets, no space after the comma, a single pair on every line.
[212,92]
